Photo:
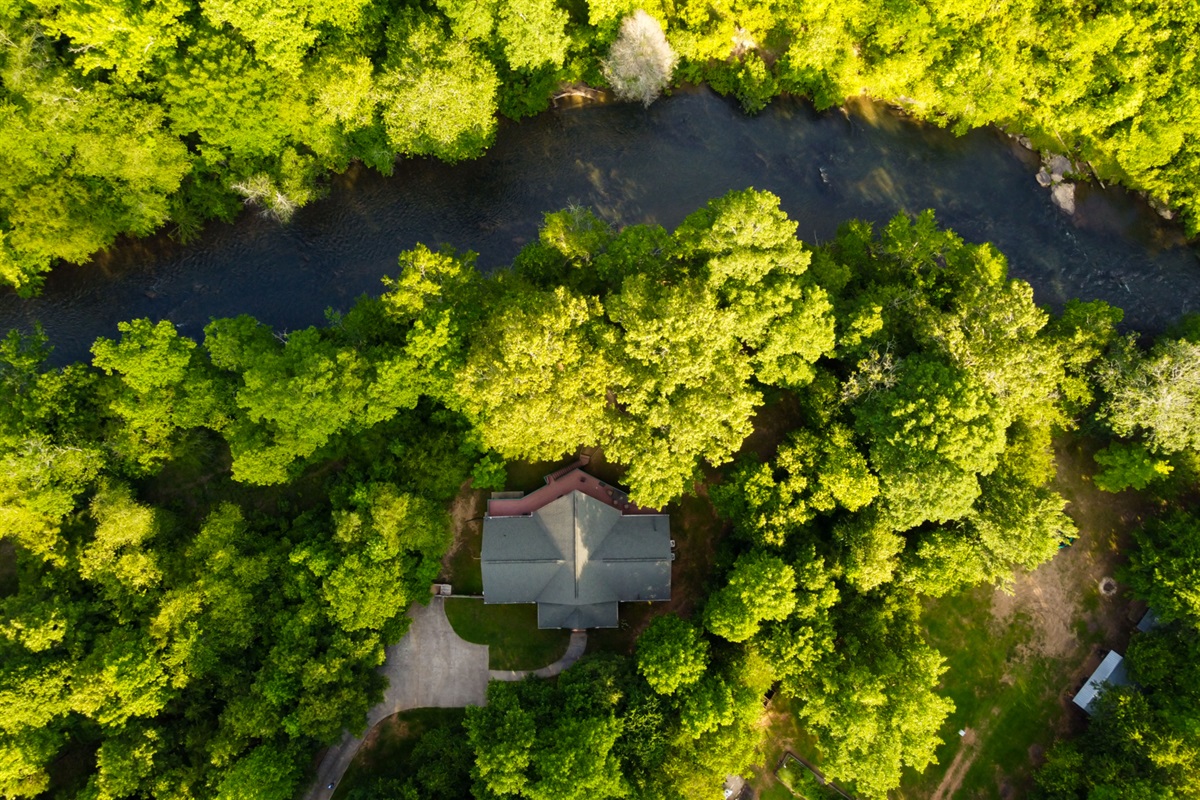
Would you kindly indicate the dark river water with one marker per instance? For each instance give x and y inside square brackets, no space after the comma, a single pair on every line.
[632,165]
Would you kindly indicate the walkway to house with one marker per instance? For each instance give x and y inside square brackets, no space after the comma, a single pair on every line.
[575,649]
[429,668]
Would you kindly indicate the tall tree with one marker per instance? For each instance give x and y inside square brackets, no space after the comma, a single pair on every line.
[295,395]
[438,94]
[671,654]
[1156,396]
[931,435]
[760,587]
[535,380]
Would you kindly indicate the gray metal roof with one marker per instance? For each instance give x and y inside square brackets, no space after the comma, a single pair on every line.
[1111,672]
[596,615]
[576,557]
[1149,621]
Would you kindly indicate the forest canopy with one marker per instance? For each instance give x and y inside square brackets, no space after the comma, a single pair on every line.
[216,539]
[122,118]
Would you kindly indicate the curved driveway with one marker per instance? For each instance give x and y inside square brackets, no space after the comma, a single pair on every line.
[429,668]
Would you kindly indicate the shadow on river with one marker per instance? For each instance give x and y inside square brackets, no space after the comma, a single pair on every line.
[632,165]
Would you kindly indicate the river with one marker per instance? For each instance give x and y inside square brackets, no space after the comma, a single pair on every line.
[632,165]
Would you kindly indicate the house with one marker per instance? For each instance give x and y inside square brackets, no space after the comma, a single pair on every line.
[1111,672]
[577,547]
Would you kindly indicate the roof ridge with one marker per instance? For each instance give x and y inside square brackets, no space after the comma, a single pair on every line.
[575,495]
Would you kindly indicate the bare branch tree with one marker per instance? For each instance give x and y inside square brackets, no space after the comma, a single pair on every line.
[641,61]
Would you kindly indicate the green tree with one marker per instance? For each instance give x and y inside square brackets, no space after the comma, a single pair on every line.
[119,556]
[708,705]
[575,761]
[871,549]
[671,654]
[162,389]
[438,94]
[392,543]
[760,587]
[48,453]
[294,395]
[1139,742]
[268,771]
[534,379]
[683,387]
[502,734]
[931,435]
[1013,524]
[746,248]
[438,299]
[233,104]
[125,762]
[811,475]
[1083,333]
[872,700]
[1165,566]
[82,164]
[282,34]
[24,759]
[1128,466]
[532,33]
[128,39]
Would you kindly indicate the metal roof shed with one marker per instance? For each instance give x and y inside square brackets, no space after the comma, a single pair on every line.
[1111,672]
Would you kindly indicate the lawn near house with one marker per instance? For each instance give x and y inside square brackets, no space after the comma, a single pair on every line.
[1008,684]
[510,632]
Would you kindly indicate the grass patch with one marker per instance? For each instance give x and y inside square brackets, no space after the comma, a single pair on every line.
[510,631]
[776,791]
[385,753]
[1005,697]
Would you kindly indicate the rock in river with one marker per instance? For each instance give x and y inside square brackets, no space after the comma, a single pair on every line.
[1063,196]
